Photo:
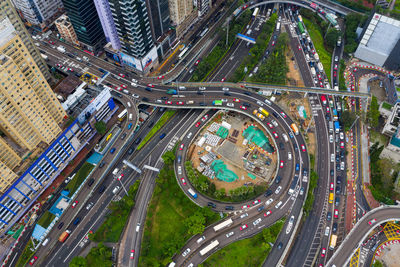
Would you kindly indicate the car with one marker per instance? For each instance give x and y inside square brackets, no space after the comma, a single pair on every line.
[275,135]
[323,252]
[150,85]
[269,201]
[283,114]
[121,75]
[341,135]
[179,103]
[112,150]
[273,43]
[230,105]
[336,58]
[303,148]
[124,86]
[161,77]
[60,225]
[204,118]
[372,221]
[183,181]
[223,79]
[244,215]
[168,102]
[229,234]
[225,89]
[135,96]
[302,191]
[245,206]
[355,69]
[198,124]
[244,226]
[243,107]
[335,67]
[117,88]
[130,125]
[236,100]
[202,88]
[270,125]
[32,261]
[280,245]
[281,164]
[267,213]
[278,189]
[212,205]
[278,179]
[327,110]
[197,62]
[332,173]
[334,73]
[268,193]
[181,146]
[74,204]
[257,221]
[299,47]
[331,187]
[186,252]
[276,124]
[255,202]
[342,144]
[132,255]
[336,213]
[328,216]
[70,69]
[51,42]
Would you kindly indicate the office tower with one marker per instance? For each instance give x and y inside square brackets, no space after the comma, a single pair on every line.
[7,10]
[160,20]
[107,22]
[86,22]
[29,110]
[134,32]
[203,6]
[38,12]
[180,9]
[66,29]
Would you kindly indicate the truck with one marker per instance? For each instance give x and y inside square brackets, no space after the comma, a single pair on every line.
[335,114]
[332,244]
[171,92]
[64,236]
[320,67]
[217,103]
[313,72]
[278,26]
[337,127]
[192,193]
[236,12]
[339,41]
[115,171]
[316,57]
[61,49]
[294,128]
[263,111]
[293,184]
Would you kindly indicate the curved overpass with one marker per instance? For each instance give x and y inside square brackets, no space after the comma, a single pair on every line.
[360,231]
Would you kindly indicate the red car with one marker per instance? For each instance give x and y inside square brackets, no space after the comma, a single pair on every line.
[270,125]
[331,187]
[372,221]
[118,88]
[179,103]
[198,124]
[275,135]
[70,69]
[32,261]
[183,181]
[256,202]
[223,79]
[303,148]
[161,77]
[273,43]
[243,107]
[336,213]
[283,115]
[245,206]
[299,47]
[323,252]
[281,164]
[236,100]
[267,213]
[120,177]
[197,62]
[74,204]
[342,144]
[335,67]
[244,226]
[355,69]
[168,102]
[181,146]
[123,86]
[245,6]
[121,75]
[51,42]
[150,85]
[334,74]
[204,118]
[132,256]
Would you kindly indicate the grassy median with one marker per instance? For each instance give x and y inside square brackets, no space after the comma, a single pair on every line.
[46,219]
[165,117]
[79,178]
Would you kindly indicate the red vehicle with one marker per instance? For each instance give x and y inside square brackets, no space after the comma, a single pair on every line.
[283,114]
[281,164]
[168,102]
[33,260]
[275,135]
[267,213]
[299,47]
[132,256]
[120,177]
[245,206]
[336,213]
[51,42]
[223,79]
[273,43]
[245,6]
[244,226]
[123,86]
[74,204]
[183,181]
[270,125]
[303,148]
[334,74]
[243,107]
[179,103]
[331,187]
[197,62]
[150,85]
[121,75]
[323,252]
[161,77]
[70,69]
[355,69]
[256,202]
[323,99]
[198,124]
[236,100]
[335,67]
[204,118]
[181,146]
[372,221]
[327,110]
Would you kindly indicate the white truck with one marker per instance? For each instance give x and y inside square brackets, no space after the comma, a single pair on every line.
[61,49]
[115,171]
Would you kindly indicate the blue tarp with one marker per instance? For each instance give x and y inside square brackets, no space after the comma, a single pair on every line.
[95,158]
[38,232]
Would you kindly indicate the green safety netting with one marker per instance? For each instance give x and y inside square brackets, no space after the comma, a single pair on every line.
[252,176]
[222,132]
[256,136]
[222,173]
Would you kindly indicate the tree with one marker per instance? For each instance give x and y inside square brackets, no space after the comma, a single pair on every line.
[78,262]
[347,119]
[373,113]
[331,37]
[168,157]
[195,223]
[100,127]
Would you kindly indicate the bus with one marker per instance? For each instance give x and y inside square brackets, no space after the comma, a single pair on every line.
[223,225]
[330,198]
[294,128]
[332,244]
[208,248]
[301,27]
[203,32]
[183,53]
[255,13]
[122,115]
[217,102]
[293,185]
[192,193]
[263,111]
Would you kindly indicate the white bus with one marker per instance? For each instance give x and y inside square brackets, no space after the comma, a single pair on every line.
[223,225]
[255,13]
[122,115]
[208,248]
[183,53]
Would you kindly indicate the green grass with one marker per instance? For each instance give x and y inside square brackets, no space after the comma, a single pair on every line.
[79,177]
[165,117]
[112,227]
[26,255]
[46,219]
[247,252]
[316,36]
[387,106]
[99,256]
[378,137]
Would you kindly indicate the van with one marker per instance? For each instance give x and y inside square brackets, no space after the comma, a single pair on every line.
[278,205]
[138,227]
[182,88]
[201,239]
[45,242]
[77,220]
[229,208]
[115,190]
[162,135]
[285,137]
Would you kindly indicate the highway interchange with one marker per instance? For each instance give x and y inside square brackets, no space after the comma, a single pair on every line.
[308,243]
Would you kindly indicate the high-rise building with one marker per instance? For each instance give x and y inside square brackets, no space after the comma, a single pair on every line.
[107,22]
[38,12]
[66,29]
[180,9]
[132,23]
[30,113]
[160,20]
[203,6]
[86,22]
[7,10]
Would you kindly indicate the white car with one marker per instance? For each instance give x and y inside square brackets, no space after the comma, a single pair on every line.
[134,80]
[225,89]
[269,201]
[180,170]
[202,88]
[289,155]
[229,234]
[257,221]
[135,96]
[341,136]
[186,252]
[330,138]
[260,103]
[230,105]
[134,84]
[278,190]
[244,215]
[189,135]
[274,123]
[342,166]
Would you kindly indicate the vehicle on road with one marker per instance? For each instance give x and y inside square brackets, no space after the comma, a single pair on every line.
[230,234]
[186,252]
[33,260]
[323,252]
[132,255]
[183,181]
[244,226]
[74,204]
[371,222]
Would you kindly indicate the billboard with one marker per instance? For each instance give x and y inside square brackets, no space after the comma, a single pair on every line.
[137,63]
